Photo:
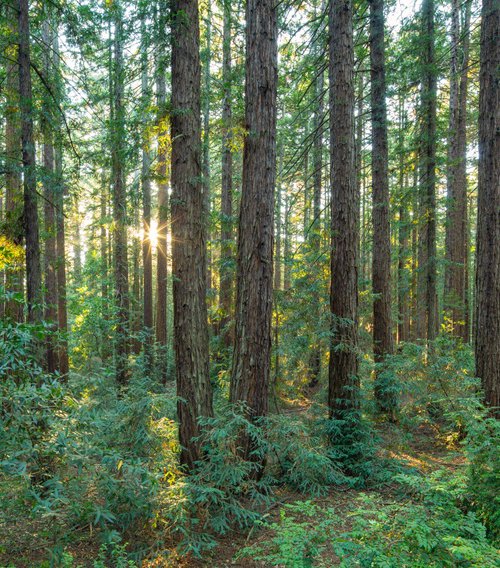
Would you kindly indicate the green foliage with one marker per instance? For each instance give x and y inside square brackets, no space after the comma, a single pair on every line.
[80,453]
[225,490]
[30,402]
[113,553]
[92,320]
[482,447]
[436,385]
[427,528]
[302,456]
[300,536]
[228,492]
[352,446]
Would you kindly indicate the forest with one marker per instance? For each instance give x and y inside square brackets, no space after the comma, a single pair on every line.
[249,283]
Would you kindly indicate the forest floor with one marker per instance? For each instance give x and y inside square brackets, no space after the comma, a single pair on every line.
[423,451]
[25,543]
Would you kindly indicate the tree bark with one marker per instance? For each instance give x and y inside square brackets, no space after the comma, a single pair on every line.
[163,179]
[120,256]
[277,243]
[147,259]
[252,351]
[343,368]
[49,193]
[136,311]
[487,345]
[287,248]
[315,230]
[62,311]
[404,284]
[13,191]
[31,231]
[383,344]
[206,141]
[427,264]
[226,268]
[456,241]
[188,233]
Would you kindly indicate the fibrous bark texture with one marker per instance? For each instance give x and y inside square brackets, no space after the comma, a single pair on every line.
[455,300]
[31,232]
[120,258]
[226,268]
[343,381]
[488,218]
[188,233]
[252,351]
[381,260]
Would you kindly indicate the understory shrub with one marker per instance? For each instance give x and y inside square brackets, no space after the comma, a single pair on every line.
[426,528]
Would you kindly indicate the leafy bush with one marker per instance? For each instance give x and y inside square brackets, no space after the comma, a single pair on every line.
[482,447]
[301,455]
[300,536]
[352,447]
[427,528]
[436,384]
[224,491]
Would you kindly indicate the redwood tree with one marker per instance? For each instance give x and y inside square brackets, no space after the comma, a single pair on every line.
[252,348]
[427,274]
[31,232]
[13,226]
[488,216]
[226,270]
[147,260]
[162,171]
[188,233]
[343,370]
[120,258]
[48,178]
[456,214]
[381,259]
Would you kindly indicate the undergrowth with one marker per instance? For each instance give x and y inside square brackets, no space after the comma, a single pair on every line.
[81,455]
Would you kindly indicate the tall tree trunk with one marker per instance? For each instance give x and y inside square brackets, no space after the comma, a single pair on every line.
[136,312]
[343,369]
[488,214]
[360,179]
[104,242]
[462,144]
[315,231]
[287,248]
[120,256]
[403,236]
[415,251]
[163,177]
[383,344]
[427,266]
[31,232]
[13,191]
[50,257]
[77,241]
[206,140]
[188,233]
[456,213]
[403,276]
[62,312]
[226,268]
[277,244]
[252,351]
[147,259]
[307,197]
